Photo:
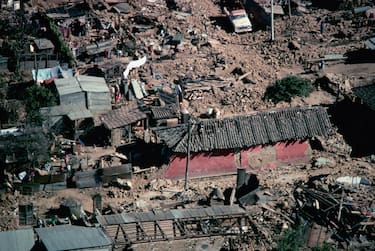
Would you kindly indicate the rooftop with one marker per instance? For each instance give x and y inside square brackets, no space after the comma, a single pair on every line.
[66,237]
[20,240]
[249,130]
[43,44]
[160,215]
[165,112]
[123,116]
[366,94]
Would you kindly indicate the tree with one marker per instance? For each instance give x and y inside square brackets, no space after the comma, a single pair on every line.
[37,97]
[287,88]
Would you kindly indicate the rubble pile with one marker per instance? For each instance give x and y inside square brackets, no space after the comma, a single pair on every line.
[8,212]
[345,207]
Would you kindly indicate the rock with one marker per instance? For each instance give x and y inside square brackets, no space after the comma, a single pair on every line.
[122,183]
[323,162]
[294,45]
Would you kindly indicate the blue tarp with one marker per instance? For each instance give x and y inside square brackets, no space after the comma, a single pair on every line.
[48,73]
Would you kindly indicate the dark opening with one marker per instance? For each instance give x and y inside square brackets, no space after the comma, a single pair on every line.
[145,155]
[356,122]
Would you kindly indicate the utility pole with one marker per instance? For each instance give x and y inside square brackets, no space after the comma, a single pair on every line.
[289,8]
[272,28]
[188,156]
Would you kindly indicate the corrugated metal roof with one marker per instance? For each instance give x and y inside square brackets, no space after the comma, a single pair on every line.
[137,89]
[19,240]
[126,218]
[72,111]
[92,84]
[72,237]
[99,102]
[370,43]
[60,110]
[79,114]
[66,86]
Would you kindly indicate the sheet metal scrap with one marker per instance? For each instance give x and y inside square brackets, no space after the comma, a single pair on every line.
[336,207]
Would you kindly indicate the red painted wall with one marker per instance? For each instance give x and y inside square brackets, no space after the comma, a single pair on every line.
[288,152]
[226,162]
[201,164]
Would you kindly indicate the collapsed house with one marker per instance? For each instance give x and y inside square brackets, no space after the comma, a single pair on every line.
[128,229]
[121,122]
[355,120]
[262,140]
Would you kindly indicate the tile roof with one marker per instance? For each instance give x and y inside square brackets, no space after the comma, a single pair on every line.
[367,94]
[123,116]
[165,112]
[248,130]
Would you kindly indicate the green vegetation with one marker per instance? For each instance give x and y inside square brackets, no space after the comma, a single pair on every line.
[325,247]
[37,97]
[287,88]
[295,240]
[11,48]
[57,40]
[53,33]
[292,240]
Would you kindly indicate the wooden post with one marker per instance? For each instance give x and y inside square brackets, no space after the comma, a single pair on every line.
[289,9]
[188,156]
[272,27]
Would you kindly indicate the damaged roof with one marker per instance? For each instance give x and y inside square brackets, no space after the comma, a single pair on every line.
[123,116]
[249,130]
[165,112]
[162,215]
[366,94]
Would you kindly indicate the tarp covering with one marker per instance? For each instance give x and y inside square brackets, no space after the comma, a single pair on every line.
[42,75]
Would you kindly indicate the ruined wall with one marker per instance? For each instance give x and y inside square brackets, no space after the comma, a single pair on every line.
[226,162]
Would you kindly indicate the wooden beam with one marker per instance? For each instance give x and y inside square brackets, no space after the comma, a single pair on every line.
[126,237]
[161,230]
[142,231]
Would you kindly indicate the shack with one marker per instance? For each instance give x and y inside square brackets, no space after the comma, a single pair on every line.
[67,237]
[257,141]
[20,240]
[123,122]
[43,45]
[80,99]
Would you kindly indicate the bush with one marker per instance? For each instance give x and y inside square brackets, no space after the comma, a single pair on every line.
[287,88]
[291,240]
[37,97]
